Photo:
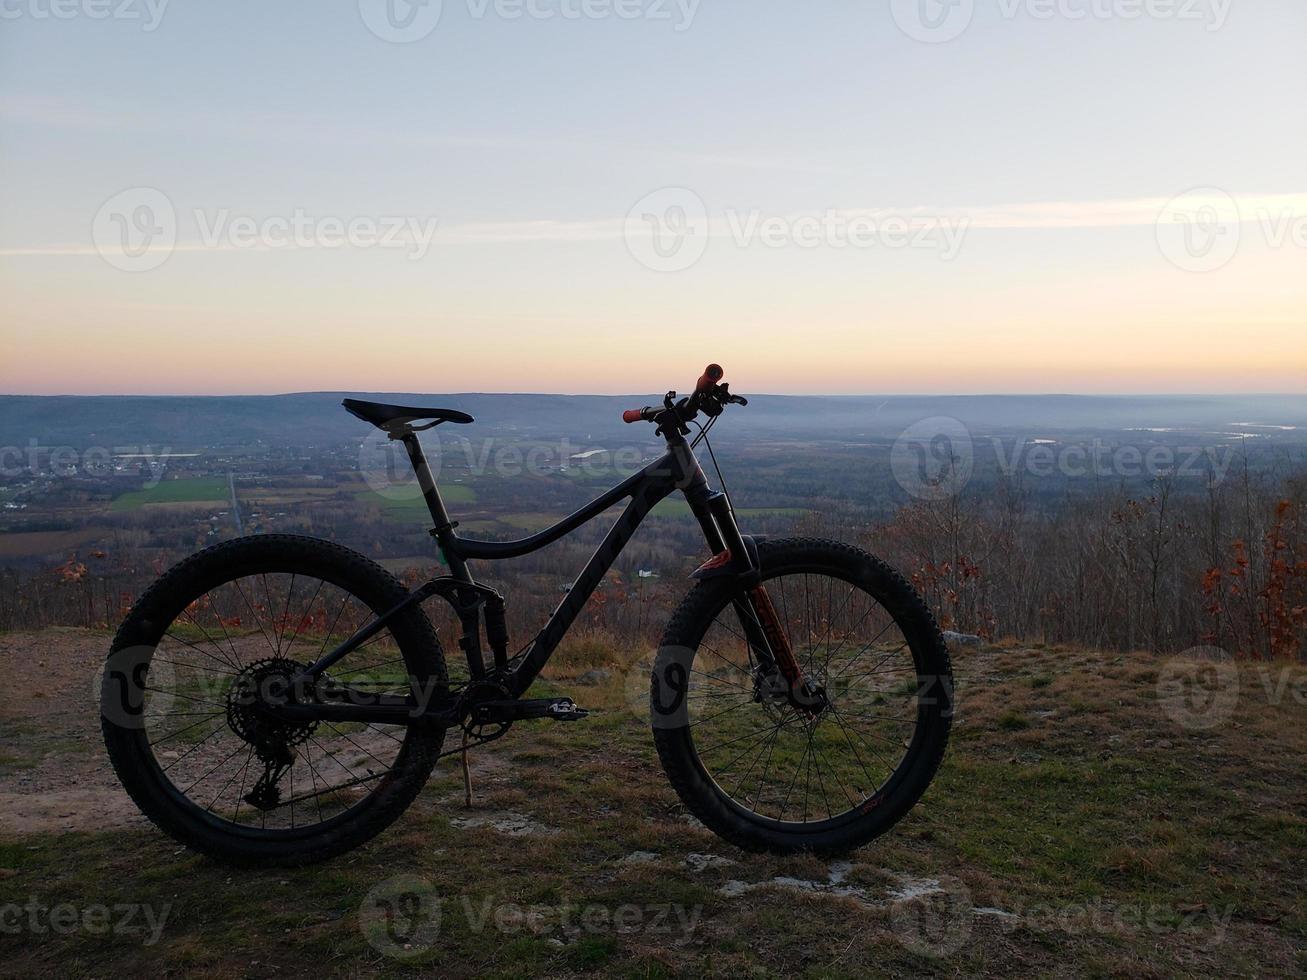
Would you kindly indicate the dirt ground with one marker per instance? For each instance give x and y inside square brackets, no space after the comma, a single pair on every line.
[54,774]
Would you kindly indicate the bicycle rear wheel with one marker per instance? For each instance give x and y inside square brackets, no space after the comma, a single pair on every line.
[180,692]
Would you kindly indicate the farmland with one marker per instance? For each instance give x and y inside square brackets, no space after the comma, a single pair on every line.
[193,490]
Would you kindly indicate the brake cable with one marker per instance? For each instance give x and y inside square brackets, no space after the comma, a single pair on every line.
[703,437]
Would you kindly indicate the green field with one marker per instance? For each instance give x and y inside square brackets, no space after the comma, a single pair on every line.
[414,508]
[189,490]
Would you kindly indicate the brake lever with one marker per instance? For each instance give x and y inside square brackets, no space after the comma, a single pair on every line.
[730,399]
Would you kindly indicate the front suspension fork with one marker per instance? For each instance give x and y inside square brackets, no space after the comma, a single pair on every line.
[770,643]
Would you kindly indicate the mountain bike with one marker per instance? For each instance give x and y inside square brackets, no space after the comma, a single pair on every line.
[279,699]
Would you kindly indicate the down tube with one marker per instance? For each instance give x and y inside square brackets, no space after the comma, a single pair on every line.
[642,501]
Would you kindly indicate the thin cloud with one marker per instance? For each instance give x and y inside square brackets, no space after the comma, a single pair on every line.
[1038,215]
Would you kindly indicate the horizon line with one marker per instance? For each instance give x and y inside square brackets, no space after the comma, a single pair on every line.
[563,394]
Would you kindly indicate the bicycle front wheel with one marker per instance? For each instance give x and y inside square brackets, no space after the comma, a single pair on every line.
[827,771]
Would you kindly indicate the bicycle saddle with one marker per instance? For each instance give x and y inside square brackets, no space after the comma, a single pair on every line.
[388,416]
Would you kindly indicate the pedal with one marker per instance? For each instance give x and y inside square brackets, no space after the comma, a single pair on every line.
[565,709]
[554,709]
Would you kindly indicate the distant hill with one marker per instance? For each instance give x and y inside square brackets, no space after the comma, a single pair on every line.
[316,418]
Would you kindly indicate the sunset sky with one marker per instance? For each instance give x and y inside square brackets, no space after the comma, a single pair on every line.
[1035,162]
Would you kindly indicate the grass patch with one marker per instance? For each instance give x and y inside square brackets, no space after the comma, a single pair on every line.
[413,509]
[1013,721]
[199,489]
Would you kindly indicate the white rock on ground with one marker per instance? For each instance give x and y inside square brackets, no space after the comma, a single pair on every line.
[640,857]
[702,862]
[512,824]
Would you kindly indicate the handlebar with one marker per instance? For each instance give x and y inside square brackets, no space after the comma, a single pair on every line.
[710,397]
[712,374]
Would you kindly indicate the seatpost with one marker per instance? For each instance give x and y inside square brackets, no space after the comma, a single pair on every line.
[443,531]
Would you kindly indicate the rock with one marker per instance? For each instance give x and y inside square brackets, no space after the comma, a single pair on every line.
[996,913]
[640,857]
[912,888]
[961,639]
[593,678]
[512,824]
[702,862]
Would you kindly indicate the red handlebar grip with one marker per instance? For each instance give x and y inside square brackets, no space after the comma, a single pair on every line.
[711,375]
[634,415]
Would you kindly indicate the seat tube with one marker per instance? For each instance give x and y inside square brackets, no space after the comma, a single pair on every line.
[443,530]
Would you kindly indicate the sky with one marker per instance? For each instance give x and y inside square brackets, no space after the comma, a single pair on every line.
[600,196]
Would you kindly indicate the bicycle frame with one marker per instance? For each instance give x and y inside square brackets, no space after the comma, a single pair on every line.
[677,469]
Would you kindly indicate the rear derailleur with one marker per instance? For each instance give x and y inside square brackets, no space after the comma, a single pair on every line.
[273,739]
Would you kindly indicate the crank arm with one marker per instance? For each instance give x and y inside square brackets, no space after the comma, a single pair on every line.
[383,711]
